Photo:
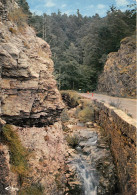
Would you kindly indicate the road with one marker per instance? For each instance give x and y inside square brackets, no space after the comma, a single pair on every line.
[126,104]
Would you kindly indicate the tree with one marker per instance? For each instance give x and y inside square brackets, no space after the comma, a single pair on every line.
[80,45]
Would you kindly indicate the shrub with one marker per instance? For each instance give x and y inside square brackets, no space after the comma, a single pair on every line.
[18,153]
[86,103]
[130,115]
[64,116]
[73,141]
[86,115]
[116,104]
[85,112]
[34,189]
[13,30]
[71,98]
[18,17]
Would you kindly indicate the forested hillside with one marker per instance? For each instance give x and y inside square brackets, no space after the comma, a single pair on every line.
[80,45]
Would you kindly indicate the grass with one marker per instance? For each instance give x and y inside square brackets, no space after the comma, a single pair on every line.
[86,113]
[34,189]
[71,98]
[41,53]
[19,161]
[18,153]
[73,141]
[17,16]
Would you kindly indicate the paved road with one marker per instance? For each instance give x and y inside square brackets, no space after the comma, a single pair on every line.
[125,104]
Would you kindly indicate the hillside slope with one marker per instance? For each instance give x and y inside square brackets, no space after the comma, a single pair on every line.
[119,75]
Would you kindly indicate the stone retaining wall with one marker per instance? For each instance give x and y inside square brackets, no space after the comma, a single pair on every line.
[121,130]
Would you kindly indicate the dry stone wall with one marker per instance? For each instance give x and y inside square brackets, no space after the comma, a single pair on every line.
[121,130]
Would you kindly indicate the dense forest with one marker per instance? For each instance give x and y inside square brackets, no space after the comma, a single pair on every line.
[80,45]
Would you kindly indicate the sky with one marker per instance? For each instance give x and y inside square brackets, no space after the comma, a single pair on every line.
[86,7]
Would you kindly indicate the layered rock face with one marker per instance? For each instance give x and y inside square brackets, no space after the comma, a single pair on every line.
[31,103]
[119,76]
[29,93]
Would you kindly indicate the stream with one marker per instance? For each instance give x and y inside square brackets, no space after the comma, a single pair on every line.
[88,155]
[85,169]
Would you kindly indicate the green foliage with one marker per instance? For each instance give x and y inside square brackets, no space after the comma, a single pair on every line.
[18,154]
[25,8]
[71,98]
[73,141]
[34,189]
[86,115]
[18,17]
[80,45]
[86,112]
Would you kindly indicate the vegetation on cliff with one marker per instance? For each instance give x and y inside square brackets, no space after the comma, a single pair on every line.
[18,154]
[119,75]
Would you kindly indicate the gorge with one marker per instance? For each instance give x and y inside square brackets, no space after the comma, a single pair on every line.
[45,146]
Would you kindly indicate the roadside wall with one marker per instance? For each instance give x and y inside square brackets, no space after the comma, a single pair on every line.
[121,130]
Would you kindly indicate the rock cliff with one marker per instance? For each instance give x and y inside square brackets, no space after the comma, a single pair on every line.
[31,104]
[29,93]
[119,75]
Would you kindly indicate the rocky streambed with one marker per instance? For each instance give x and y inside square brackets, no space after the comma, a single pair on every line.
[90,163]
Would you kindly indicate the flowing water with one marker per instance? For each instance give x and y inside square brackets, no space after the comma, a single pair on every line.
[84,161]
[87,175]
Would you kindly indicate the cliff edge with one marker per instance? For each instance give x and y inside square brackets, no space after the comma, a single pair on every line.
[32,145]
[29,93]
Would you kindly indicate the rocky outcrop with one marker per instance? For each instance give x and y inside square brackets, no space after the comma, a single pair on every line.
[31,104]
[5,7]
[29,93]
[47,148]
[119,76]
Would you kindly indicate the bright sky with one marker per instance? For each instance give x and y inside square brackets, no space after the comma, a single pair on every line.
[86,7]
